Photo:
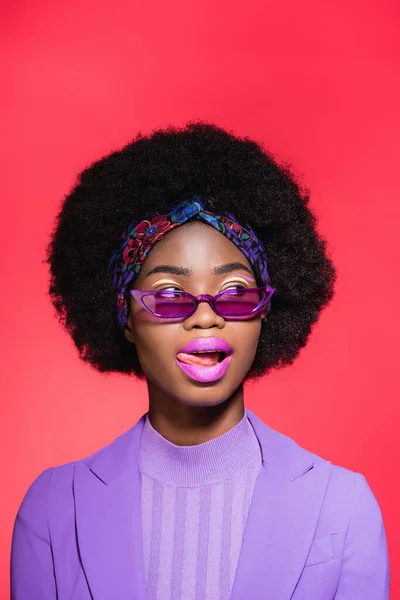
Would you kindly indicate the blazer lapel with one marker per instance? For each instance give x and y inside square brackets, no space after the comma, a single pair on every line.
[107,495]
[282,519]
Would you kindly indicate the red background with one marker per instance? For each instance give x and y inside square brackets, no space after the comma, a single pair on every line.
[318,84]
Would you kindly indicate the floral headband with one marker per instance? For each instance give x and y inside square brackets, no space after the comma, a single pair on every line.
[126,262]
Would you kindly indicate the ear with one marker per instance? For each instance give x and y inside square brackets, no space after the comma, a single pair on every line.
[128,331]
[264,312]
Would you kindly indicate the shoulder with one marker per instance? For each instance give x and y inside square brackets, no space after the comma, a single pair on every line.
[346,486]
[293,460]
[54,481]
[349,485]
[350,513]
[347,491]
[350,505]
[351,519]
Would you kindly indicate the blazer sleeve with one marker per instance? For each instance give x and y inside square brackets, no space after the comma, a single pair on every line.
[365,571]
[32,572]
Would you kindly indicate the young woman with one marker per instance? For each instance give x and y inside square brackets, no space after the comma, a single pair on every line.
[191,259]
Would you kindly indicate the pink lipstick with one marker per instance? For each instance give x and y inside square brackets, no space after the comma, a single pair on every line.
[201,359]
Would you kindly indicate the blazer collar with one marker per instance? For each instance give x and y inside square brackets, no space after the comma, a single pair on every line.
[282,520]
[278,452]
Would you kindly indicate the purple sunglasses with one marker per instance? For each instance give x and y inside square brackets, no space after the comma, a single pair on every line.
[170,304]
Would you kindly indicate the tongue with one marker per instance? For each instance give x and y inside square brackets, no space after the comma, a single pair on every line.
[207,359]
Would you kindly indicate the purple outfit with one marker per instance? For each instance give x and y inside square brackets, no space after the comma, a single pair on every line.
[195,503]
[314,530]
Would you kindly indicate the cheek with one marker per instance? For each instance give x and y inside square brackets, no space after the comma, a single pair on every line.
[247,337]
[246,334]
[154,343]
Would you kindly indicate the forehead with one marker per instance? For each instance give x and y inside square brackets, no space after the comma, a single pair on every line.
[195,245]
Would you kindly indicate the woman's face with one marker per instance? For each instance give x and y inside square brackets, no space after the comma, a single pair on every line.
[198,248]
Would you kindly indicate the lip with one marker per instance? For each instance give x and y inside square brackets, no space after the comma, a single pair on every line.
[206,374]
[210,343]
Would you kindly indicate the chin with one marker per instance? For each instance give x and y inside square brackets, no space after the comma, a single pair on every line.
[205,394]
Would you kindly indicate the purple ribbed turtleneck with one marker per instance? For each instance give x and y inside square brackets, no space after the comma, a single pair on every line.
[195,502]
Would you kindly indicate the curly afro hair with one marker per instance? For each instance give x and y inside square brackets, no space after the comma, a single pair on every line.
[153,173]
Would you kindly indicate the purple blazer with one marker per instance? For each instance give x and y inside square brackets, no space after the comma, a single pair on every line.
[314,530]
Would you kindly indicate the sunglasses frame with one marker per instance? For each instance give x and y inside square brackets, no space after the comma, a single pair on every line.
[267,291]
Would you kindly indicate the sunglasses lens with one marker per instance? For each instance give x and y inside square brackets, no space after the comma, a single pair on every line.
[177,304]
[239,302]
[169,304]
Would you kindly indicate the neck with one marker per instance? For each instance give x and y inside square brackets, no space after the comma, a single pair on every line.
[191,424]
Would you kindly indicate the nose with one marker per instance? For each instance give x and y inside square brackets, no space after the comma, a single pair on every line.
[204,317]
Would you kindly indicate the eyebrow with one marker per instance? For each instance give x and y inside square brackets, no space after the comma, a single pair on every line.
[219,270]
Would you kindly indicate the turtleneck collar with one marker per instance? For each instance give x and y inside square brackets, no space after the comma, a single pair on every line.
[201,464]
